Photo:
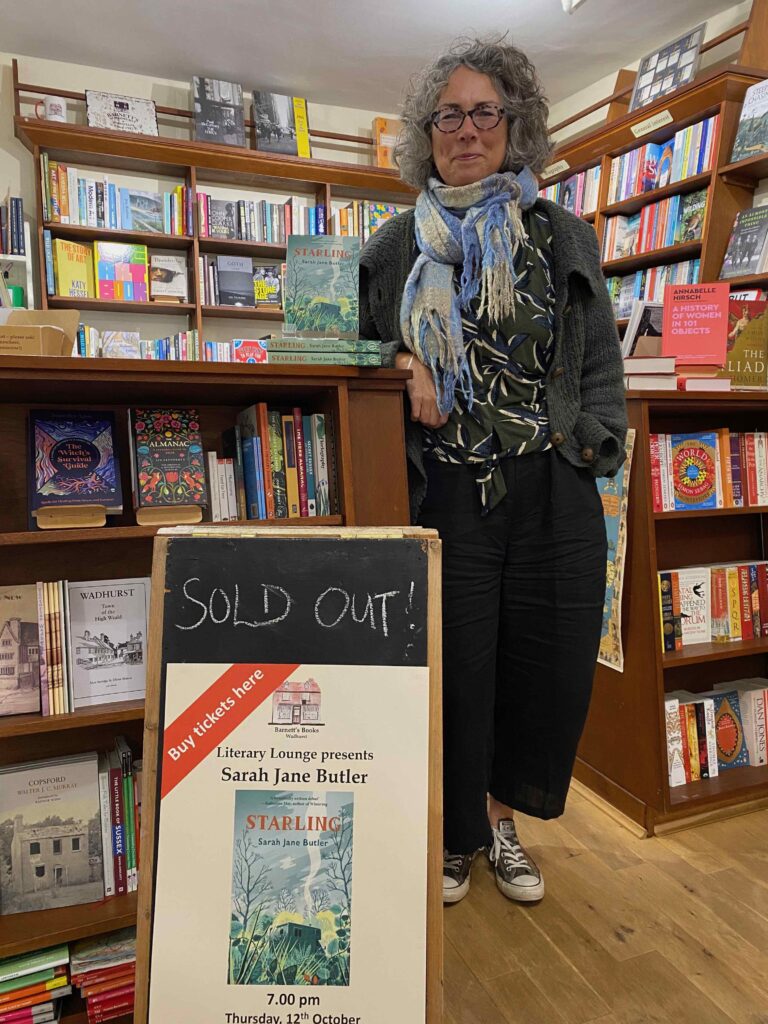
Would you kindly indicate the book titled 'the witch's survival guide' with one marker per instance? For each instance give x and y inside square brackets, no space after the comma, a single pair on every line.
[322,289]
[73,460]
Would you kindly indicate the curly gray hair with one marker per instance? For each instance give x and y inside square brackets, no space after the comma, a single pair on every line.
[517,84]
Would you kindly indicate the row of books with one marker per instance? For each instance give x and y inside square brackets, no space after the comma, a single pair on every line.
[239,281]
[75,829]
[655,165]
[714,731]
[709,469]
[103,270]
[713,604]
[671,221]
[259,220]
[32,986]
[67,646]
[578,193]
[69,198]
[12,227]
[649,284]
[276,466]
[361,218]
[104,971]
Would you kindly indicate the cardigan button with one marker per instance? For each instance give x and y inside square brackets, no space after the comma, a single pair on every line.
[558,372]
[558,438]
[587,455]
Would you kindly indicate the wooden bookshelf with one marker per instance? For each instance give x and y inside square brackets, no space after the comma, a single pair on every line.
[652,258]
[24,933]
[115,306]
[102,714]
[633,204]
[152,239]
[623,753]
[244,313]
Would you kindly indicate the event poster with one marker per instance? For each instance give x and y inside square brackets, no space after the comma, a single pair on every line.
[300,894]
[614,494]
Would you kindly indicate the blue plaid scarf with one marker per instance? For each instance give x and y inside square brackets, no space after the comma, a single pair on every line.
[475,226]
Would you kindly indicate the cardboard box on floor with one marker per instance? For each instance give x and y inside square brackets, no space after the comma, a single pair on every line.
[38,332]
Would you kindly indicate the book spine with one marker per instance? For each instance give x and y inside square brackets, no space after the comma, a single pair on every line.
[683,713]
[676,614]
[45,708]
[231,490]
[309,455]
[53,170]
[693,742]
[118,830]
[734,602]
[46,186]
[762,588]
[754,600]
[735,466]
[760,705]
[50,278]
[656,495]
[719,598]
[745,602]
[751,470]
[301,461]
[291,471]
[106,834]
[320,450]
[666,615]
[221,487]
[127,772]
[262,496]
[211,464]
[249,472]
[675,769]
[324,358]
[701,736]
[277,464]
[262,417]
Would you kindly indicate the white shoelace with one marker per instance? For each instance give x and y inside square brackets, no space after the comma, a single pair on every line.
[507,847]
[452,861]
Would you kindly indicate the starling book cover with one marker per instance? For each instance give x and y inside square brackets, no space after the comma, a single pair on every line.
[322,289]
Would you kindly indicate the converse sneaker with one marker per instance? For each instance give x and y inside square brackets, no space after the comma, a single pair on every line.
[456,875]
[516,873]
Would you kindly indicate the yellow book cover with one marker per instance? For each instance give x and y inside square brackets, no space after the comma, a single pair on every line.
[693,742]
[176,227]
[63,195]
[73,269]
[385,131]
[724,459]
[291,470]
[302,127]
[734,602]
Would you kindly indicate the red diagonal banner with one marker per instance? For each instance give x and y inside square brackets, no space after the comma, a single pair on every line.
[207,722]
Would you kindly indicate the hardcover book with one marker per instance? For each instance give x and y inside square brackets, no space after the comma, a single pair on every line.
[693,470]
[168,278]
[121,345]
[222,219]
[281,123]
[322,286]
[74,460]
[167,458]
[731,746]
[218,108]
[752,132]
[747,245]
[141,211]
[121,271]
[385,131]
[747,345]
[73,269]
[690,223]
[19,651]
[50,851]
[107,627]
[235,280]
[291,922]
[266,286]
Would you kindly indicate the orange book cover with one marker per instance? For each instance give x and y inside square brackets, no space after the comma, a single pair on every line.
[693,742]
[19,994]
[385,131]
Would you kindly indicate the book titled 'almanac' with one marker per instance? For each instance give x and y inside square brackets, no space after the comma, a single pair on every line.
[294,926]
[322,288]
[167,458]
[74,460]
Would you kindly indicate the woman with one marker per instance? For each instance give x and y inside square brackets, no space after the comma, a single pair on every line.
[498,306]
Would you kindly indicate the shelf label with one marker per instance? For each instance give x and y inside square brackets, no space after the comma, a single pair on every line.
[556,168]
[650,124]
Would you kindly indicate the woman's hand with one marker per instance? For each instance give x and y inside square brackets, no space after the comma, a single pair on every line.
[421,391]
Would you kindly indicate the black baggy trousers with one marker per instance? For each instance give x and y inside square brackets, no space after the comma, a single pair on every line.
[523,592]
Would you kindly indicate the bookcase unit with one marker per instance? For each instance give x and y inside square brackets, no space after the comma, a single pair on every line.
[623,753]
[363,410]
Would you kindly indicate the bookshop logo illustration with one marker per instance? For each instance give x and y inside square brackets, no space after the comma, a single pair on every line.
[291,906]
[297,703]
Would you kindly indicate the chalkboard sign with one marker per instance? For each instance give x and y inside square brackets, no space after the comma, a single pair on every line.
[291,847]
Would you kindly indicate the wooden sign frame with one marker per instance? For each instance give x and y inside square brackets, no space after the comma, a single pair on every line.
[433,1010]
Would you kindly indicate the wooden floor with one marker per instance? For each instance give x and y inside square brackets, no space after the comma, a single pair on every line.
[667,930]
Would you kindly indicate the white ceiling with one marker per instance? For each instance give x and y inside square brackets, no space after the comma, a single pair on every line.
[354,53]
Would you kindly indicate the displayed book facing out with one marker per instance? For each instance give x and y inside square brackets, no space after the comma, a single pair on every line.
[747,344]
[218,109]
[121,271]
[747,251]
[51,854]
[73,460]
[19,651]
[235,281]
[322,286]
[168,278]
[73,269]
[385,132]
[752,132]
[107,638]
[281,123]
[166,458]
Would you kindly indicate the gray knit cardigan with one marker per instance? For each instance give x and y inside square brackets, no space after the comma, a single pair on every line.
[585,384]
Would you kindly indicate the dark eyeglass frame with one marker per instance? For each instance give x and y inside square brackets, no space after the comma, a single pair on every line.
[434,118]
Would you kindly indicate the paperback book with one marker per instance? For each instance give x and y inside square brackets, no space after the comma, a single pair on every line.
[299,929]
[322,286]
[107,631]
[218,108]
[222,219]
[74,460]
[694,470]
[19,651]
[752,132]
[266,286]
[73,269]
[747,245]
[747,345]
[168,278]
[281,124]
[235,279]
[167,458]
[50,851]
[121,271]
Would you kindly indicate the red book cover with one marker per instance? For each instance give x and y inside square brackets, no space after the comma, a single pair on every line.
[749,440]
[686,749]
[266,457]
[745,599]
[762,591]
[695,324]
[719,601]
[119,981]
[121,1009]
[301,465]
[658,504]
[18,995]
[98,974]
[109,998]
[118,828]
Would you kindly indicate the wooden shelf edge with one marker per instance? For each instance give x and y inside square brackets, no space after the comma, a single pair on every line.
[634,203]
[732,786]
[116,306]
[654,257]
[152,239]
[244,312]
[83,718]
[24,933]
[701,513]
[695,654]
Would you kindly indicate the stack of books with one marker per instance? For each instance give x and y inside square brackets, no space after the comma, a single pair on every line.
[32,985]
[104,969]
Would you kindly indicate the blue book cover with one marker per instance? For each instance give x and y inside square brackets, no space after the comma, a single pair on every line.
[82,202]
[322,287]
[112,205]
[309,460]
[260,478]
[50,277]
[732,749]
[126,218]
[299,929]
[73,460]
[249,474]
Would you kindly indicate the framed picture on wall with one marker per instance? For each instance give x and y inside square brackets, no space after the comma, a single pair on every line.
[667,68]
[120,113]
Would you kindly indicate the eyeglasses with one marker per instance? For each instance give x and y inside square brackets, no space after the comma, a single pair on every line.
[483,117]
